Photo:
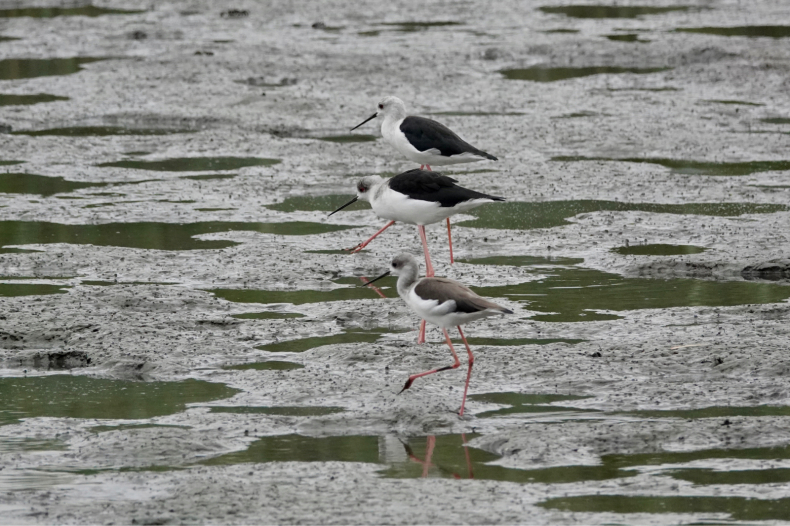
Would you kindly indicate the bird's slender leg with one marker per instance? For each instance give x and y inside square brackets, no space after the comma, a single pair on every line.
[450,239]
[468,461]
[375,288]
[426,373]
[469,371]
[359,247]
[426,167]
[429,272]
[429,445]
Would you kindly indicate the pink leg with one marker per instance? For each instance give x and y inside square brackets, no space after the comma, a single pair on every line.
[429,445]
[450,239]
[429,273]
[469,372]
[421,333]
[359,247]
[375,288]
[468,461]
[428,167]
[426,373]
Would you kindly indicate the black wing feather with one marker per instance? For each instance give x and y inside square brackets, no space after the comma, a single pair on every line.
[433,186]
[425,134]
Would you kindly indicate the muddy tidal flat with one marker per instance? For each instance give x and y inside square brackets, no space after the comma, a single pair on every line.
[183,339]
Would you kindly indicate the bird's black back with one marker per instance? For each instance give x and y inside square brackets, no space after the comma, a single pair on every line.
[433,186]
[425,134]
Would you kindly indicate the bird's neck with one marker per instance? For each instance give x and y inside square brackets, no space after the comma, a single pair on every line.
[406,281]
[395,115]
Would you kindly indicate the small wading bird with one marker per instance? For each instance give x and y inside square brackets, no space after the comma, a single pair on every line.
[419,198]
[443,302]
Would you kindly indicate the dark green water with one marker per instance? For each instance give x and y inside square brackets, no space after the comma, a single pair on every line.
[24,100]
[548,74]
[8,290]
[776,120]
[576,294]
[741,31]
[24,183]
[157,236]
[737,508]
[298,297]
[267,315]
[194,164]
[305,344]
[419,26]
[548,214]
[683,166]
[51,12]
[526,403]
[278,410]
[271,365]
[99,131]
[322,203]
[25,68]
[69,396]
[523,261]
[609,11]
[632,37]
[659,249]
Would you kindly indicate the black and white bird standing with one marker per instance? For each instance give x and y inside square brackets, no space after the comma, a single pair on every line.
[422,140]
[443,302]
[417,197]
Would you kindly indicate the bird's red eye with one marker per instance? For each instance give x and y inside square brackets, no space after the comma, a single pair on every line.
[381,106]
[362,189]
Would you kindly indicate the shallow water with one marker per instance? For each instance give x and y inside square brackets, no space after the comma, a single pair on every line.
[549,74]
[71,396]
[24,100]
[25,68]
[25,183]
[741,31]
[658,249]
[548,214]
[715,509]
[579,295]
[683,166]
[156,236]
[29,289]
[51,12]
[193,164]
[99,131]
[610,11]
[271,365]
[297,297]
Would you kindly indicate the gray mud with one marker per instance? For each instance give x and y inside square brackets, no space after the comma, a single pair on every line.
[173,136]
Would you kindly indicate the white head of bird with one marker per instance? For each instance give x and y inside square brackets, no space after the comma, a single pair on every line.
[389,108]
[366,187]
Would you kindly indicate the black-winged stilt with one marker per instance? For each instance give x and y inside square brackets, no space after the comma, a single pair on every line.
[422,140]
[417,197]
[443,302]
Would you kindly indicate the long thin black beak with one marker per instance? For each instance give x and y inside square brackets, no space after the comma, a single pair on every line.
[366,120]
[376,279]
[345,205]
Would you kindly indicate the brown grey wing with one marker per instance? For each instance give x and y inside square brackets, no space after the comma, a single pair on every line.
[443,289]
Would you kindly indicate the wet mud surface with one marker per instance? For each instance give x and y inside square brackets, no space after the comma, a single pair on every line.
[183,340]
